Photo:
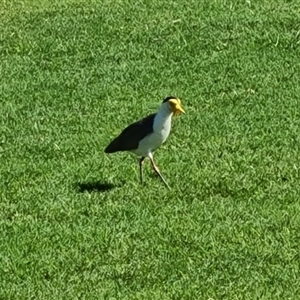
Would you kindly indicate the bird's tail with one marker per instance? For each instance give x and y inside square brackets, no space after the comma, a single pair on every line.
[112,147]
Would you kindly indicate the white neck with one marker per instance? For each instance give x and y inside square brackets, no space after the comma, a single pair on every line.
[162,121]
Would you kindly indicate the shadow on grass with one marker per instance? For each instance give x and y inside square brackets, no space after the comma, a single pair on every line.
[96,186]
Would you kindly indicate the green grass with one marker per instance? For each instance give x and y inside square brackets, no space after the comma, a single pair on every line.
[73,74]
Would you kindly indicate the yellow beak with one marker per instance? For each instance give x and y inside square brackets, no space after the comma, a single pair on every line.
[176,107]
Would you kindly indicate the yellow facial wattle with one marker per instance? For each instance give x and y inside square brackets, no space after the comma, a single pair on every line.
[176,106]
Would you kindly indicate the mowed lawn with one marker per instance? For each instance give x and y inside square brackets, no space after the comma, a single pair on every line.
[76,224]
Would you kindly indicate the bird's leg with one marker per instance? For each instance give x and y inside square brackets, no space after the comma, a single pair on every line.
[141,170]
[156,170]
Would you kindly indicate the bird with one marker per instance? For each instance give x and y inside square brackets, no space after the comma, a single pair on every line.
[146,135]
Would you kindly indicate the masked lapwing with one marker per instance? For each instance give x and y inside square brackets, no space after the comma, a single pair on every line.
[146,135]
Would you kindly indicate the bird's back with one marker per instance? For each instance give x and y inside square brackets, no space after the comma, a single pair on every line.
[130,137]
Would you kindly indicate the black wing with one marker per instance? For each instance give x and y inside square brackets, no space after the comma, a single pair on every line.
[130,137]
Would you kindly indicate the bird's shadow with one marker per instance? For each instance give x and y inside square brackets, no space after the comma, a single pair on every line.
[96,186]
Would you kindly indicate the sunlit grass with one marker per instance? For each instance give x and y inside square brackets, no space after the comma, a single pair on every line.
[76,224]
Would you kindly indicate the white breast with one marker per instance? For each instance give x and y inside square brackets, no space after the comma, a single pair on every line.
[161,131]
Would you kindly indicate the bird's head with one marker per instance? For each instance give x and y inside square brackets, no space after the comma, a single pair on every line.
[174,105]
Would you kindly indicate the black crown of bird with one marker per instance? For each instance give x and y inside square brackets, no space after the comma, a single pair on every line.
[146,135]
